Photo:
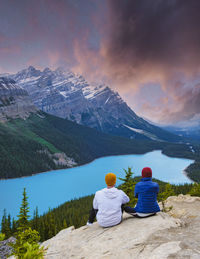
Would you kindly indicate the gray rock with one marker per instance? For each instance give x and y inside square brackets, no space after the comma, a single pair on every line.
[5,248]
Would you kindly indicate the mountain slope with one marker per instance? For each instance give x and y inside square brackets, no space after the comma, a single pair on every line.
[67,95]
[14,101]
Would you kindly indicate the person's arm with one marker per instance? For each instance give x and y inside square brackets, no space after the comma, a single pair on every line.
[95,204]
[157,189]
[125,198]
[136,191]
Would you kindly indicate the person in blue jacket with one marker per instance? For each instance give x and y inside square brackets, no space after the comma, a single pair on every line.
[146,191]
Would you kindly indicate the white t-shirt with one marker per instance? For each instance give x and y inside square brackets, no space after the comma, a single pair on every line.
[108,201]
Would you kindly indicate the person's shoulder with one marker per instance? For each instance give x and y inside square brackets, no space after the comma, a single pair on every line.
[154,183]
[120,193]
[100,191]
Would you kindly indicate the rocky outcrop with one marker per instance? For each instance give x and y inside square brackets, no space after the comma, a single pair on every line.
[61,159]
[5,248]
[162,236]
[14,101]
[67,95]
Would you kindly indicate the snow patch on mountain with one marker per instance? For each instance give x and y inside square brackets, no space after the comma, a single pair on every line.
[147,134]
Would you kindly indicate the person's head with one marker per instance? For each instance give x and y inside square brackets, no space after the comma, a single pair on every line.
[110,179]
[146,172]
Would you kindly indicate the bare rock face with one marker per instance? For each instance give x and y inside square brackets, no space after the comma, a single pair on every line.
[183,206]
[158,237]
[14,101]
[5,248]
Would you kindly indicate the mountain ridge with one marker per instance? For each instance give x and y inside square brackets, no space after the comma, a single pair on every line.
[67,95]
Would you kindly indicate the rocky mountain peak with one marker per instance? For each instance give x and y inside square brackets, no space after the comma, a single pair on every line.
[27,73]
[47,70]
[14,101]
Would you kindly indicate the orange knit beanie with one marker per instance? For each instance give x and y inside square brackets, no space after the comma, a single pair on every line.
[110,179]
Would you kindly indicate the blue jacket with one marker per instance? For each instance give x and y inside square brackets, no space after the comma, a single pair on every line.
[146,191]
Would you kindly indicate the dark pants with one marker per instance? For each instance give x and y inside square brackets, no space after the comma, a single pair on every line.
[92,215]
[127,209]
[93,212]
[132,211]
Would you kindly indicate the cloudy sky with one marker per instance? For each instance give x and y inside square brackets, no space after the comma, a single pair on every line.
[147,50]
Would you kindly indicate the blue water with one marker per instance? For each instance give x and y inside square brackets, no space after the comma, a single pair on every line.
[50,189]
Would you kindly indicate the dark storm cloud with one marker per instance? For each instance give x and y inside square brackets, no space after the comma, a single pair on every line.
[157,41]
[157,31]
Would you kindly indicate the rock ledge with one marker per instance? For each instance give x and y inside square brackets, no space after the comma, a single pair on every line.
[162,236]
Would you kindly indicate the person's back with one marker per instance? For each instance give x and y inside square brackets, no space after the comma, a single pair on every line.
[107,204]
[147,191]
[108,201]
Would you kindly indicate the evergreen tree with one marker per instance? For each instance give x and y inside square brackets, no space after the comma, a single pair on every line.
[14,226]
[23,214]
[3,222]
[26,245]
[129,186]
[64,223]
[35,221]
[6,225]
[51,225]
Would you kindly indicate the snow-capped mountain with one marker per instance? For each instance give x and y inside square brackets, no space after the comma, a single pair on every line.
[14,100]
[67,95]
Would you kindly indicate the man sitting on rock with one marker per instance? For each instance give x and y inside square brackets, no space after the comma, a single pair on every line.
[146,191]
[107,204]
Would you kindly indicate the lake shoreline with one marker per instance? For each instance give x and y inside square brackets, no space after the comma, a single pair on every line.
[186,174]
[65,168]
[87,163]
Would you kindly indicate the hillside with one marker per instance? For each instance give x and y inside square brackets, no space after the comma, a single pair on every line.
[162,236]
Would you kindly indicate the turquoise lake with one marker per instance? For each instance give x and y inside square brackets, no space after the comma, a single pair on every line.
[50,189]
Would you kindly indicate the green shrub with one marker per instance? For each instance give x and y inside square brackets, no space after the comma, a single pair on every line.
[27,246]
[169,191]
[195,191]
[33,251]
[2,236]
